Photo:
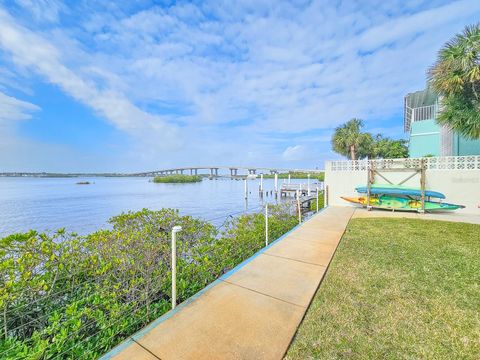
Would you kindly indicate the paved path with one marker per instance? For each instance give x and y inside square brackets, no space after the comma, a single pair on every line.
[253,311]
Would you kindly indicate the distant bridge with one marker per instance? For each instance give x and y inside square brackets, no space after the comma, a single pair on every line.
[234,170]
[213,171]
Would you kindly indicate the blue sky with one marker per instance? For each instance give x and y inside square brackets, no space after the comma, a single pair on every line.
[128,86]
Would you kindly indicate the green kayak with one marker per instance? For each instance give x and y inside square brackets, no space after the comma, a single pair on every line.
[402,204]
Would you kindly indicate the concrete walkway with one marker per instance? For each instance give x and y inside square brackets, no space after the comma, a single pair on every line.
[253,311]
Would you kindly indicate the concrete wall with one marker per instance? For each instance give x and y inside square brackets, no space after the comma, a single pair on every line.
[458,177]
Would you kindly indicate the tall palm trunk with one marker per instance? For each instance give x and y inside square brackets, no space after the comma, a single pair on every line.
[352,152]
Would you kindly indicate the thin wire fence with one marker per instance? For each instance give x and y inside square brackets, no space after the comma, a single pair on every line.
[85,311]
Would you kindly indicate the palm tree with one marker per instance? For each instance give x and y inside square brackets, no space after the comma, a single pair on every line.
[348,141]
[456,77]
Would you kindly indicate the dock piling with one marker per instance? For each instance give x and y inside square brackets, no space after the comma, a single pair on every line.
[276,184]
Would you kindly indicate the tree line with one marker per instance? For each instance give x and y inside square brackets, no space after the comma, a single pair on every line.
[348,140]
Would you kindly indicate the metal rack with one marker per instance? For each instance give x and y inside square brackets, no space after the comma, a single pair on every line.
[374,170]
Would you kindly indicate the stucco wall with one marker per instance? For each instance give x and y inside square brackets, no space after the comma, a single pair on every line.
[459,180]
[424,139]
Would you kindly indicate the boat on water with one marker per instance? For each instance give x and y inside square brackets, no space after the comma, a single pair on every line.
[389,189]
[401,203]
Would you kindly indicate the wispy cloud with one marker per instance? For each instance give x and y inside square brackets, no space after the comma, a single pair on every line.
[220,80]
[13,109]
[33,51]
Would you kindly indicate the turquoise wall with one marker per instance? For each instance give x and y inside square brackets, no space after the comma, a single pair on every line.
[462,146]
[424,138]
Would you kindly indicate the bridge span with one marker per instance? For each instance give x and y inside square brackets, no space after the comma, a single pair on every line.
[213,171]
[234,170]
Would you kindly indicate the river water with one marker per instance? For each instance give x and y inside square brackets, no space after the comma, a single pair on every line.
[47,204]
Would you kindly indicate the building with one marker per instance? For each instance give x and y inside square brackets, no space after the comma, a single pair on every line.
[426,137]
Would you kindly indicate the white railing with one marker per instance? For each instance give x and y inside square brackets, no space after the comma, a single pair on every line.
[431,163]
[424,113]
[420,113]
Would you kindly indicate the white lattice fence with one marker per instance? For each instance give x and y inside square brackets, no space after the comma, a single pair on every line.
[431,163]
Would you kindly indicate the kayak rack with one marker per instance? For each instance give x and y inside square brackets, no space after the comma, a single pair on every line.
[413,169]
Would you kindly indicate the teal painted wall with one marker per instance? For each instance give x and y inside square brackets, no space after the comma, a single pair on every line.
[424,138]
[462,146]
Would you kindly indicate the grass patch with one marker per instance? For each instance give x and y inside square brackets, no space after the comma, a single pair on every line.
[177,178]
[397,289]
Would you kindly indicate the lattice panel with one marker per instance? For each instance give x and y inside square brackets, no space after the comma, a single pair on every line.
[431,163]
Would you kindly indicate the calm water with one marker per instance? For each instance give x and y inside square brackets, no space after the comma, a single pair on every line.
[51,203]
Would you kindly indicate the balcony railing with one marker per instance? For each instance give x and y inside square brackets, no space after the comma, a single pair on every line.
[421,113]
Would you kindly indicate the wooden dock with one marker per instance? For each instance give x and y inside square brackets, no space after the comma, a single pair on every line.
[302,189]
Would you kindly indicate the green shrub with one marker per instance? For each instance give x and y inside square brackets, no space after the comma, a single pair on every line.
[70,296]
[179,178]
[313,204]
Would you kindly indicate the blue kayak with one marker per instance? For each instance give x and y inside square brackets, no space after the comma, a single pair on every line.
[388,189]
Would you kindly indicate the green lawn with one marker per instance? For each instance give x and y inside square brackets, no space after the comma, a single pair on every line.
[397,289]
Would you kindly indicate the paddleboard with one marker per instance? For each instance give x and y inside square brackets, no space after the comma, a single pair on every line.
[387,189]
[402,204]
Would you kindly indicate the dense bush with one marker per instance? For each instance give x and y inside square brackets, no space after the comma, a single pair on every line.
[179,178]
[70,296]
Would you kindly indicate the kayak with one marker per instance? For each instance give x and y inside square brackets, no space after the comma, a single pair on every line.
[387,189]
[402,204]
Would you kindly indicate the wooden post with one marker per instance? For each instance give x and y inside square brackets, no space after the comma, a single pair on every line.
[422,184]
[370,177]
[276,184]
[261,184]
[246,189]
[308,185]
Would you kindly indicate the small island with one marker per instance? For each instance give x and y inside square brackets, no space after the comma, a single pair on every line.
[177,178]
[83,183]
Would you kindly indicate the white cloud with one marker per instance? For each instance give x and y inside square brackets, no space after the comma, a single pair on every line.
[13,109]
[47,10]
[295,153]
[33,51]
[276,67]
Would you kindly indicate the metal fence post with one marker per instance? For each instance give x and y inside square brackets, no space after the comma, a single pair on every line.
[175,230]
[299,208]
[266,224]
[317,198]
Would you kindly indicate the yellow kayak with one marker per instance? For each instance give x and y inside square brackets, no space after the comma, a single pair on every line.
[402,204]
